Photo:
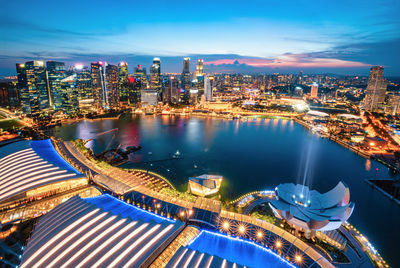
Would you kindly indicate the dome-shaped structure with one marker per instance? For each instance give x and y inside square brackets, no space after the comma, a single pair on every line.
[311,210]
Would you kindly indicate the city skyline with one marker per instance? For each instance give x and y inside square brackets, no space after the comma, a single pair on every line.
[200,134]
[342,38]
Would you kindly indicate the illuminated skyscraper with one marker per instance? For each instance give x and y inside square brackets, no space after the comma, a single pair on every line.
[123,82]
[199,76]
[84,82]
[56,73]
[23,88]
[186,65]
[112,92]
[68,96]
[33,85]
[155,74]
[376,89]
[98,83]
[141,73]
[314,91]
[136,84]
[171,90]
[4,101]
[300,78]
[393,104]
[208,87]
[37,77]
[199,67]
[186,81]
[10,94]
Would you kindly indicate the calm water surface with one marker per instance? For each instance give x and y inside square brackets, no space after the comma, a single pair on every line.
[257,154]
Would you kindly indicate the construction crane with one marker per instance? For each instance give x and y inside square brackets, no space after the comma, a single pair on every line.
[102,133]
[112,157]
[109,143]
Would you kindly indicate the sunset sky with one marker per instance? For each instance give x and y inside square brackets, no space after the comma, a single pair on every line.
[344,37]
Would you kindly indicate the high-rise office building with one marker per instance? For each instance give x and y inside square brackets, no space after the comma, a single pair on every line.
[199,67]
[393,104]
[155,74]
[171,90]
[314,91]
[133,91]
[9,94]
[199,78]
[56,73]
[33,85]
[140,72]
[166,94]
[84,82]
[208,87]
[186,65]
[137,83]
[112,92]
[300,78]
[36,76]
[123,83]
[98,83]
[23,88]
[4,99]
[376,89]
[186,81]
[68,97]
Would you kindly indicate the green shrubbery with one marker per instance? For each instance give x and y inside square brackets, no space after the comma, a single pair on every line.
[267,218]
[180,195]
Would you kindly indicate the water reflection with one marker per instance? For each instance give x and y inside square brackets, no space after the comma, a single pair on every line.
[251,158]
[368,165]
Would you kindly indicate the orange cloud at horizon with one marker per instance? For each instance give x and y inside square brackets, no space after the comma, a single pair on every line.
[291,60]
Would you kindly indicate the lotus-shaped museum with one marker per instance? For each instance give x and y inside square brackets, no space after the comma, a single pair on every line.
[309,209]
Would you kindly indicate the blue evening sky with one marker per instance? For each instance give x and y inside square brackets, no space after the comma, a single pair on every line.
[254,35]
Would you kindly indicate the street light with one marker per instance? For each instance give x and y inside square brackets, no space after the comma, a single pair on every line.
[242,229]
[225,225]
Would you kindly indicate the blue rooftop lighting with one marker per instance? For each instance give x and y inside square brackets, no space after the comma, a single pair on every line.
[46,150]
[116,206]
[236,250]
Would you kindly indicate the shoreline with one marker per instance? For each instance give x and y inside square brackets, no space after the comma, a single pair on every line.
[291,117]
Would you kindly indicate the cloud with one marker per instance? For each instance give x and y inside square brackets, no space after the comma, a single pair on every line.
[291,60]
[345,59]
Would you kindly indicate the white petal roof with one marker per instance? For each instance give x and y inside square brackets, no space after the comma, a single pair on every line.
[311,207]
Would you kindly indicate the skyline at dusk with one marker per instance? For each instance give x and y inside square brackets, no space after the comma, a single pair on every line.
[226,133]
[231,36]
